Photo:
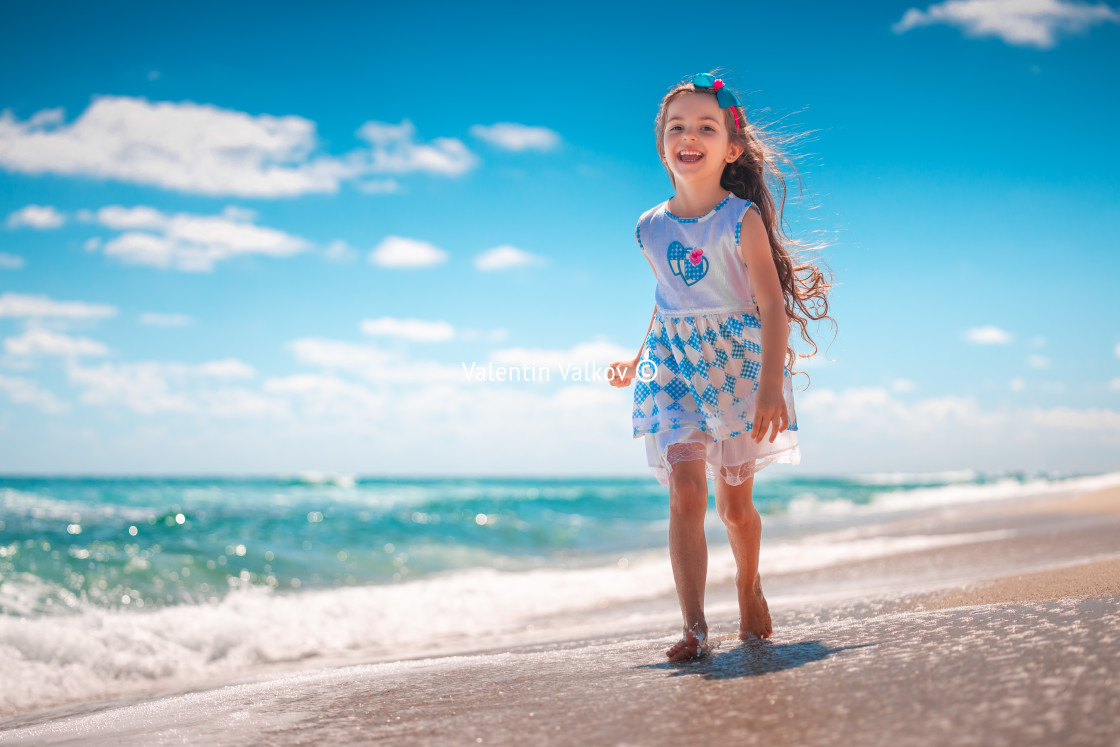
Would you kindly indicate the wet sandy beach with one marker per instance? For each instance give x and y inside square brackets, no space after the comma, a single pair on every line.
[1012,639]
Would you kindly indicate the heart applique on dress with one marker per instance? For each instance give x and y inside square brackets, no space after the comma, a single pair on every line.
[687,262]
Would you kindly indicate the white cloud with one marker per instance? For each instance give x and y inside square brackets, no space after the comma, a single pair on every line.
[10,261]
[870,429]
[204,149]
[505,257]
[903,386]
[1114,385]
[323,395]
[25,392]
[188,147]
[1030,23]
[122,218]
[1018,384]
[150,387]
[1038,361]
[340,251]
[411,329]
[156,319]
[394,151]
[399,252]
[1069,419]
[340,355]
[38,307]
[191,243]
[517,137]
[597,353]
[987,336]
[35,216]
[370,362]
[1116,350]
[39,341]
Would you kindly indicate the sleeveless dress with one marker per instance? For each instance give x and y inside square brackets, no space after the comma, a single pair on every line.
[694,396]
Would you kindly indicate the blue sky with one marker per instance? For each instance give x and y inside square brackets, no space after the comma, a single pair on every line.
[261,238]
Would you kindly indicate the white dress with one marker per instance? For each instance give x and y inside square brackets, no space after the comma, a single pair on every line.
[696,384]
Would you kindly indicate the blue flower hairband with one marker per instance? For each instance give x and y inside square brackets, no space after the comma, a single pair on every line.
[725,97]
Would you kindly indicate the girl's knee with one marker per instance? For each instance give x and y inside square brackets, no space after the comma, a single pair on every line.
[739,514]
[688,493]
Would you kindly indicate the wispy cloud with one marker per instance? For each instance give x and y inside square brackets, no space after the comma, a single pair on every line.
[370,362]
[400,252]
[395,151]
[517,137]
[26,392]
[417,330]
[506,257]
[325,395]
[204,149]
[35,216]
[988,335]
[903,386]
[1038,361]
[856,421]
[150,387]
[11,261]
[17,305]
[340,251]
[190,243]
[1029,23]
[596,353]
[39,341]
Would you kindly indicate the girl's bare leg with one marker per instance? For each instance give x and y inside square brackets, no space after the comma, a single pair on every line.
[688,503]
[744,529]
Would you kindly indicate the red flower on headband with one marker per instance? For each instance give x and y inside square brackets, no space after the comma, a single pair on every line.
[718,84]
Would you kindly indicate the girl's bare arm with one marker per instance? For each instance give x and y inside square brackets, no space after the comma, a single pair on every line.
[771,411]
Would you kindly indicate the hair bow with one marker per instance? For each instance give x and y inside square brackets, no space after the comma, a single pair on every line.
[724,96]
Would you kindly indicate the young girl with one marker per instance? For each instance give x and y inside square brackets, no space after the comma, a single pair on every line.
[714,398]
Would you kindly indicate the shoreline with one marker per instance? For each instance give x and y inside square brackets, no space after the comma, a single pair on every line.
[1057,563]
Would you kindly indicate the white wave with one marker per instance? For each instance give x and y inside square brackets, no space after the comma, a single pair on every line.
[315,477]
[997,491]
[900,478]
[808,504]
[98,653]
[45,507]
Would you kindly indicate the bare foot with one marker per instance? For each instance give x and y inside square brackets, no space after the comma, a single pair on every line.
[754,616]
[693,645]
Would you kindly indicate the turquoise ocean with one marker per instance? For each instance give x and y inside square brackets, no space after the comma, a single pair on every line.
[113,585]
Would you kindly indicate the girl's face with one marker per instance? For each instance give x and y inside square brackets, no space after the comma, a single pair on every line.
[696,143]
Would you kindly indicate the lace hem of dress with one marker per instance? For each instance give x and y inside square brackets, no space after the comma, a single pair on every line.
[732,474]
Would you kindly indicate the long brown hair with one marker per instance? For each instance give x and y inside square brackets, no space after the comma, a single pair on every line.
[756,175]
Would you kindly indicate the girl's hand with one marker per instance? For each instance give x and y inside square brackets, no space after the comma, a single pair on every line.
[621,373]
[770,411]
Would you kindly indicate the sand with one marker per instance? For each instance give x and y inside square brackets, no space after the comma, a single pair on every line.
[1013,639]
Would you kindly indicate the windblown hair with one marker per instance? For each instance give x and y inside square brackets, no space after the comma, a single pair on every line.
[756,176]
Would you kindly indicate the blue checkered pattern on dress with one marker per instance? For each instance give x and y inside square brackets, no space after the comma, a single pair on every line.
[707,371]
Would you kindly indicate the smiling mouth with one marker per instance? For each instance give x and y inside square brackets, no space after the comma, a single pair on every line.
[690,156]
